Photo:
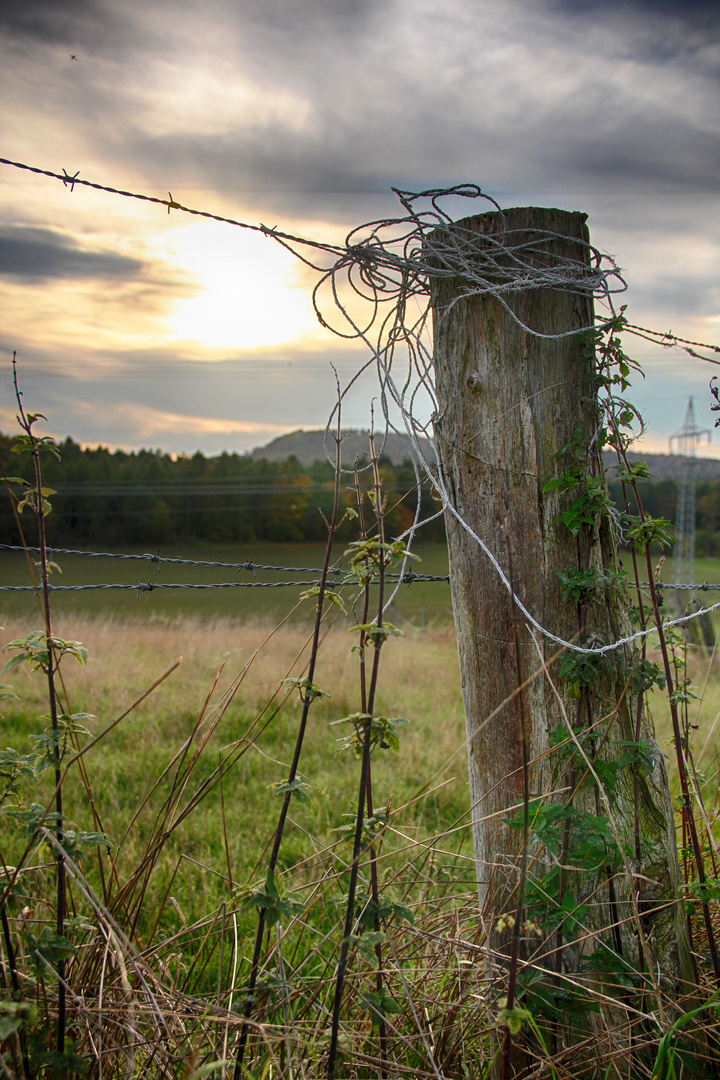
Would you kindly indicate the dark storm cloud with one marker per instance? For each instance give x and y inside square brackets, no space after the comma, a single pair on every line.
[323,174]
[44,20]
[38,254]
[384,107]
[412,95]
[687,10]
[77,24]
[656,30]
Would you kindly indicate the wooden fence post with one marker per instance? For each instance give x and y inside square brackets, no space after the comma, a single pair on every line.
[508,401]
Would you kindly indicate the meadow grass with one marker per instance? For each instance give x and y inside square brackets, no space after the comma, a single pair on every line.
[202,842]
[419,681]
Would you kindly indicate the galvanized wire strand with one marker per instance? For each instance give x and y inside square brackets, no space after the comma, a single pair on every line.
[398,396]
[391,259]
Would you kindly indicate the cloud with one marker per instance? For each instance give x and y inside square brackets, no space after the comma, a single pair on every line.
[161,398]
[36,254]
[689,11]
[428,96]
[314,109]
[303,113]
[74,24]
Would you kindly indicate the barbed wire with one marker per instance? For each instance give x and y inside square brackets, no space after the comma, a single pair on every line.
[151,586]
[70,181]
[342,576]
[389,262]
[158,559]
[705,587]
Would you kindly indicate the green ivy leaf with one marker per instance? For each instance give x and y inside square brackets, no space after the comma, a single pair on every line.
[30,818]
[643,754]
[328,594]
[48,948]
[366,943]
[66,1064]
[645,675]
[368,911]
[14,1014]
[384,733]
[650,531]
[705,890]
[377,635]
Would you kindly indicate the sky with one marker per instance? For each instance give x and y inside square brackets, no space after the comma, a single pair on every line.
[135,327]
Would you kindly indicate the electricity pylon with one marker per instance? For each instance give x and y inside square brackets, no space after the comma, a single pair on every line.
[684,442]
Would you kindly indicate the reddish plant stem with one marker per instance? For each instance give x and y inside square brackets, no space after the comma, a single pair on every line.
[307,700]
[677,734]
[12,965]
[364,795]
[49,668]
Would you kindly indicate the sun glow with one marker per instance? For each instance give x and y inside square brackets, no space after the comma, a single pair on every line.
[249,294]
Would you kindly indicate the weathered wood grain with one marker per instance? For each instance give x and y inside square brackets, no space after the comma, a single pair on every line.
[508,401]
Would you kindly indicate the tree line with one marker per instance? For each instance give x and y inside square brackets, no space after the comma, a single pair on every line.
[118,498]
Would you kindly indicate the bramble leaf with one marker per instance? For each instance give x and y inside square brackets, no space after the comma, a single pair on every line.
[297,788]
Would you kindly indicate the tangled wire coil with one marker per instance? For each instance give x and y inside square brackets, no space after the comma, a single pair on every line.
[392,261]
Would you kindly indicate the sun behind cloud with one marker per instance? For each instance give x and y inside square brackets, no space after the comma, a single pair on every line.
[248,294]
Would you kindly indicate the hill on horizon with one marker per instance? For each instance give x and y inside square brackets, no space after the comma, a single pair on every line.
[307,447]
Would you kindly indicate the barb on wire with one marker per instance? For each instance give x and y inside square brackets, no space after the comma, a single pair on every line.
[338,573]
[668,340]
[152,586]
[172,204]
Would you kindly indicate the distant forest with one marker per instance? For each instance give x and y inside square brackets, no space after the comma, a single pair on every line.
[150,498]
[147,498]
